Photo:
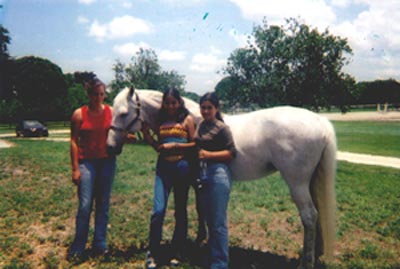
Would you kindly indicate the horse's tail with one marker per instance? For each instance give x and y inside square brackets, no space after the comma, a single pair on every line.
[323,194]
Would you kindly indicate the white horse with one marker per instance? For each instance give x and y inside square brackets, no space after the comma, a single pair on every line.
[298,143]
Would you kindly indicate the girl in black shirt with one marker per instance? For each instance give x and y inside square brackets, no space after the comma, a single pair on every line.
[216,149]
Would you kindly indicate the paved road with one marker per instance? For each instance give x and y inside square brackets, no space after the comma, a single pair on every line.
[5,144]
[369,159]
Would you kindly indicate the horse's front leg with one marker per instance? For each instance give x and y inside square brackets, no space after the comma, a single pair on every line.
[309,218]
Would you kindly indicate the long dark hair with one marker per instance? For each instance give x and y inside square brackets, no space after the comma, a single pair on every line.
[213,99]
[182,110]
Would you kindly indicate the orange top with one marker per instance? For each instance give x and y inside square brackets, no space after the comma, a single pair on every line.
[93,134]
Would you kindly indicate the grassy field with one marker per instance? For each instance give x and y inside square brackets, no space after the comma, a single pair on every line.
[39,203]
[379,138]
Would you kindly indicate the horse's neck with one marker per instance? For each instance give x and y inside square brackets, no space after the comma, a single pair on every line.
[193,107]
[150,105]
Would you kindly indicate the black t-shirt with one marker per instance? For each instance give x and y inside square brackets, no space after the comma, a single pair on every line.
[214,136]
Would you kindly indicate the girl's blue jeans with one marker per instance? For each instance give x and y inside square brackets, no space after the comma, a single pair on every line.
[215,198]
[97,176]
[170,175]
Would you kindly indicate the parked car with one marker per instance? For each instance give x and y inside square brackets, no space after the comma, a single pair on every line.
[31,128]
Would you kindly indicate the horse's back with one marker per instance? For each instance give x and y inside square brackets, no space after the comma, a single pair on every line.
[277,139]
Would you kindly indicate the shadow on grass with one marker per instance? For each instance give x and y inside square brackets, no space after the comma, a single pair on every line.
[195,257]
[241,258]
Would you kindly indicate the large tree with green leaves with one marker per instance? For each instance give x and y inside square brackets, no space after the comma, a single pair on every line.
[40,86]
[291,64]
[5,63]
[4,42]
[378,91]
[144,72]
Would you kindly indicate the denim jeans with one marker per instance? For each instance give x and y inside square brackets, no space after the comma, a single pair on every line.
[215,198]
[97,176]
[170,175]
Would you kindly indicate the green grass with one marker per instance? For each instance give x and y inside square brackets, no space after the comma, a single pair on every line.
[39,203]
[378,138]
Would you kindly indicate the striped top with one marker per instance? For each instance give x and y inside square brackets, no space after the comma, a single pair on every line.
[172,132]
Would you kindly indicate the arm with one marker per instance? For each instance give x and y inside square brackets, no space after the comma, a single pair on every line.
[148,137]
[76,120]
[190,127]
[222,155]
[227,154]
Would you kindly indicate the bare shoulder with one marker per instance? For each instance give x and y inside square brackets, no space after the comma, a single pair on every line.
[189,119]
[77,116]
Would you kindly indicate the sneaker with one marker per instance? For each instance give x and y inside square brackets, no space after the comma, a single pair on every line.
[100,252]
[174,262]
[150,261]
[76,257]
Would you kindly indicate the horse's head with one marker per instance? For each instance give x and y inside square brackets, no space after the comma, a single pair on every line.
[126,118]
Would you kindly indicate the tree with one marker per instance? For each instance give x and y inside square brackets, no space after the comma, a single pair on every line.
[144,72]
[5,64]
[4,42]
[293,65]
[83,77]
[40,87]
[144,69]
[226,90]
[378,91]
[76,92]
[170,79]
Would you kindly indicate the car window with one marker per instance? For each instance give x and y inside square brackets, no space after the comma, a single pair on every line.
[32,124]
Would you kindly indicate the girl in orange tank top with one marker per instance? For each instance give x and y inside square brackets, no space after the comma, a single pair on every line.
[92,170]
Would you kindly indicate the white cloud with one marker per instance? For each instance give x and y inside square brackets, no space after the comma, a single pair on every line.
[167,55]
[97,30]
[206,63]
[101,66]
[215,51]
[120,27]
[82,20]
[315,13]
[202,82]
[86,2]
[127,4]
[128,50]
[182,2]
[374,36]
[341,3]
[240,39]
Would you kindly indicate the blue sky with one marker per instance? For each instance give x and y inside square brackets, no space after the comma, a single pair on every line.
[193,37]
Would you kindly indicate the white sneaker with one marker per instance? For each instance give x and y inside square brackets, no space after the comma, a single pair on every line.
[150,261]
[174,262]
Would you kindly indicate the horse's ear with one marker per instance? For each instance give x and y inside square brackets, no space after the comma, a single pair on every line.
[131,91]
